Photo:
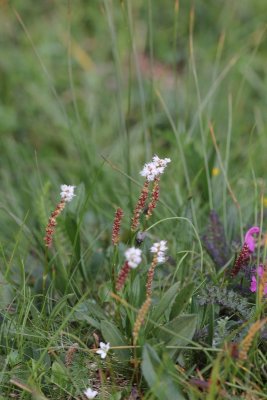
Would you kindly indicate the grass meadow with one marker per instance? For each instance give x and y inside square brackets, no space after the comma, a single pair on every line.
[90,91]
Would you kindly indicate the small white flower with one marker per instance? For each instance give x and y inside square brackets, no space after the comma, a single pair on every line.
[160,249]
[161,162]
[155,168]
[104,348]
[149,171]
[90,393]
[133,257]
[161,258]
[67,192]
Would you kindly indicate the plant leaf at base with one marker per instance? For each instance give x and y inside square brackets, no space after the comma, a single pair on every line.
[159,375]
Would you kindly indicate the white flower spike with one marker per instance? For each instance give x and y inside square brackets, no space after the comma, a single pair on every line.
[160,249]
[149,171]
[133,257]
[155,168]
[67,192]
[104,348]
[90,393]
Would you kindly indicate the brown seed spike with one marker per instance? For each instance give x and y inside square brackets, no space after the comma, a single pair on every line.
[140,318]
[247,341]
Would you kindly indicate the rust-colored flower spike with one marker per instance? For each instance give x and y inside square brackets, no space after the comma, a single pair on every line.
[66,194]
[133,259]
[140,319]
[139,206]
[116,226]
[154,198]
[246,251]
[247,341]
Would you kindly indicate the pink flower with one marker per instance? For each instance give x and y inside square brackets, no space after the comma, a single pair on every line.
[254,284]
[249,239]
[260,270]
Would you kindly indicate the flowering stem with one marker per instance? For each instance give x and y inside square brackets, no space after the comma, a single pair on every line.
[150,276]
[140,206]
[154,198]
[50,228]
[113,264]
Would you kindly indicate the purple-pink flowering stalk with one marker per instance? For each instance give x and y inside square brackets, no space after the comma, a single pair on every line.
[246,251]
[261,272]
[249,238]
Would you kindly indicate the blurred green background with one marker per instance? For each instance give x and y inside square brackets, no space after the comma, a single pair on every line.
[83,80]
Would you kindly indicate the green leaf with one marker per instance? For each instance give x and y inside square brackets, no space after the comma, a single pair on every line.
[58,375]
[211,318]
[180,331]
[6,292]
[77,204]
[135,291]
[159,375]
[90,312]
[13,358]
[182,299]
[112,335]
[197,168]
[164,305]
[61,304]
[74,235]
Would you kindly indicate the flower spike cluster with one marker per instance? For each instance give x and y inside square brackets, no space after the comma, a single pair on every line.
[66,194]
[133,259]
[246,251]
[151,172]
